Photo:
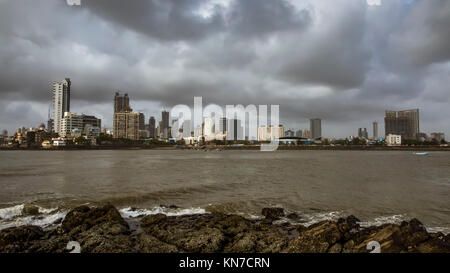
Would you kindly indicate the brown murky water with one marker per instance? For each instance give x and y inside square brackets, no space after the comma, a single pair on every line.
[375,186]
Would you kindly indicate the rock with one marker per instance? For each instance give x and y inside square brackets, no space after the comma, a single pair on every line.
[316,239]
[102,230]
[30,210]
[99,230]
[336,248]
[17,239]
[205,240]
[393,238]
[294,217]
[83,218]
[272,213]
[412,233]
[149,220]
[149,244]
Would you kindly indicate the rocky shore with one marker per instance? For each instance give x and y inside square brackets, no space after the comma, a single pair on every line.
[103,230]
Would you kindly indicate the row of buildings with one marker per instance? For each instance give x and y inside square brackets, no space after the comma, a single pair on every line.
[401,126]
[132,125]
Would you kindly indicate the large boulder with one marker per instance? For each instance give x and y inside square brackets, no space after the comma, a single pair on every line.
[98,230]
[190,233]
[30,210]
[83,218]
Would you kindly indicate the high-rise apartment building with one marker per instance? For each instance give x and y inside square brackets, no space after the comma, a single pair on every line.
[61,102]
[404,123]
[126,125]
[315,125]
[122,103]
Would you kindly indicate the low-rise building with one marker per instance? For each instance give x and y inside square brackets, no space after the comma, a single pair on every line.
[438,136]
[59,142]
[269,133]
[393,140]
[70,123]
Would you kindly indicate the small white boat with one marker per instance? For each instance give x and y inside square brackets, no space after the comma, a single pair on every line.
[425,153]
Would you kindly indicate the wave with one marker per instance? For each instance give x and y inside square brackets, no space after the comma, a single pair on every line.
[135,212]
[48,217]
[13,217]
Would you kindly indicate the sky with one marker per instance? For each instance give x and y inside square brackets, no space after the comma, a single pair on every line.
[342,60]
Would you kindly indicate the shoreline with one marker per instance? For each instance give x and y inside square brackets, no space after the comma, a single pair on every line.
[103,230]
[239,148]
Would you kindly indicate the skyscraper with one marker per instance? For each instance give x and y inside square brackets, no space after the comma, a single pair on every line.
[165,119]
[235,131]
[375,130]
[222,125]
[61,102]
[362,133]
[315,125]
[152,127]
[122,103]
[164,129]
[141,121]
[404,123]
[126,122]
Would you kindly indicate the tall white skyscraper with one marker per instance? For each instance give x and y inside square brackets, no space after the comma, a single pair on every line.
[61,102]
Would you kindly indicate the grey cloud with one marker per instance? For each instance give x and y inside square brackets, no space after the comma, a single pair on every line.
[345,62]
[256,18]
[424,38]
[161,19]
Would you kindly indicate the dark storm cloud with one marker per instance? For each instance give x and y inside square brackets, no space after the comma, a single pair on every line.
[161,19]
[253,18]
[340,60]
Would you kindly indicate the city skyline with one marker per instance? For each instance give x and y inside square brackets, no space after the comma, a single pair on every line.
[214,54]
[403,122]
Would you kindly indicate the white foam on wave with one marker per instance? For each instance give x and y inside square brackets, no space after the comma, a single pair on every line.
[12,217]
[390,219]
[133,212]
[313,218]
[11,212]
[444,230]
[41,220]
